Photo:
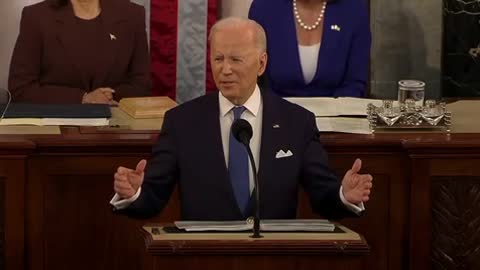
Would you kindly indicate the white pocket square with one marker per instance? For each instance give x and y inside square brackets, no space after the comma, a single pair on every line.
[282,154]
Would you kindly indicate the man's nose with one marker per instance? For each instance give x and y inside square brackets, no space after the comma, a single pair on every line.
[226,68]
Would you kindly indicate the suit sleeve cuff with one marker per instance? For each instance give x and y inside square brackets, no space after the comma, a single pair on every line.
[356,208]
[119,204]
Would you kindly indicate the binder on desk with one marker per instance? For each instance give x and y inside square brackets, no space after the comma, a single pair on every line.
[57,115]
[24,110]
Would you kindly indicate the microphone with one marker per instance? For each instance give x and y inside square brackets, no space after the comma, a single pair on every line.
[242,131]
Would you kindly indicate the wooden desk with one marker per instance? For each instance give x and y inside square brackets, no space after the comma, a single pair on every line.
[13,154]
[56,189]
[340,250]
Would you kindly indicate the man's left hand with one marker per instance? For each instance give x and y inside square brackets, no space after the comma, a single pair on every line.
[356,187]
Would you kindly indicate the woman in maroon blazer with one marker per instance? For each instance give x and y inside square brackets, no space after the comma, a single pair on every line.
[72,51]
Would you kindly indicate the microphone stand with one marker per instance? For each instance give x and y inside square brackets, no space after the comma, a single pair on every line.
[256,215]
[242,131]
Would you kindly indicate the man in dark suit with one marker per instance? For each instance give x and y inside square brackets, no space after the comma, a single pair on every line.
[196,150]
[71,51]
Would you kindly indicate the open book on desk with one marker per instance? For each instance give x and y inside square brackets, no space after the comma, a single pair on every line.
[341,106]
[54,122]
[273,225]
[353,125]
[343,114]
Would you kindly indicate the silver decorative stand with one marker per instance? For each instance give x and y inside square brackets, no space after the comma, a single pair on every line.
[407,115]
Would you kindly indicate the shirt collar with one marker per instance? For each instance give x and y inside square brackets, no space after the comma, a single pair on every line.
[252,104]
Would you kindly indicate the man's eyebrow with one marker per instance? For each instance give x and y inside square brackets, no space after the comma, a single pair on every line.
[239,55]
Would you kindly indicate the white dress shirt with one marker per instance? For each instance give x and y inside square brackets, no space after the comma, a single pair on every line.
[253,114]
[309,61]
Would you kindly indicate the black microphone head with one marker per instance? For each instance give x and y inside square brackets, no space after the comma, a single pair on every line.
[242,131]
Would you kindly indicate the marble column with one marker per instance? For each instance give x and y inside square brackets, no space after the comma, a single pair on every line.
[461,48]
[237,8]
[406,45]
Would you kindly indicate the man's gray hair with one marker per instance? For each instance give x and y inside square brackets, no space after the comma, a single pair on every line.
[260,37]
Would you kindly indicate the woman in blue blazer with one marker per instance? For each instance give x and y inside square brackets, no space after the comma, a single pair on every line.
[315,48]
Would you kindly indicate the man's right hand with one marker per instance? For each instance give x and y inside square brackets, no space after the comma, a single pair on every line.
[128,181]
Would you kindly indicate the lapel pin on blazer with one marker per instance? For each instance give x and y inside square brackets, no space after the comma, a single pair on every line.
[112,37]
[335,27]
[276,126]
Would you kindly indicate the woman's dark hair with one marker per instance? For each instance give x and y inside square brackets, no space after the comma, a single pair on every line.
[58,3]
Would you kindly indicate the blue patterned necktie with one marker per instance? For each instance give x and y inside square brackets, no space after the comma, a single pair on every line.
[238,166]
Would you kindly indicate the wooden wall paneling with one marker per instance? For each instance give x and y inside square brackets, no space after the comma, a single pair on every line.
[445,196]
[420,215]
[384,224]
[13,154]
[455,225]
[70,224]
[284,262]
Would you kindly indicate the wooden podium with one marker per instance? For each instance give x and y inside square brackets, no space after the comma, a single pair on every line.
[342,249]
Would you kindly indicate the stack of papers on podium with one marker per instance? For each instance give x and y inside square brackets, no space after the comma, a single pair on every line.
[343,114]
[274,225]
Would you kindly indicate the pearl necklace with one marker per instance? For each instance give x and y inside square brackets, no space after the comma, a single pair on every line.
[302,24]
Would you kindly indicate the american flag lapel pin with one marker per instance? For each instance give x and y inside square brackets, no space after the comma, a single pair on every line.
[335,27]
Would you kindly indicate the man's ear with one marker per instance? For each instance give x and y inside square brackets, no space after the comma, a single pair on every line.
[263,63]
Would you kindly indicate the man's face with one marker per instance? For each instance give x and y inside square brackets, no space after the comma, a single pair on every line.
[236,62]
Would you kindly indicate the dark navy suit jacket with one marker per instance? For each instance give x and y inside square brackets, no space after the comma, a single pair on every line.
[189,152]
[343,61]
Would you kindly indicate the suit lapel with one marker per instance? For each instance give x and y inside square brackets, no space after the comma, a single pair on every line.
[68,38]
[271,137]
[330,40]
[109,44]
[291,44]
